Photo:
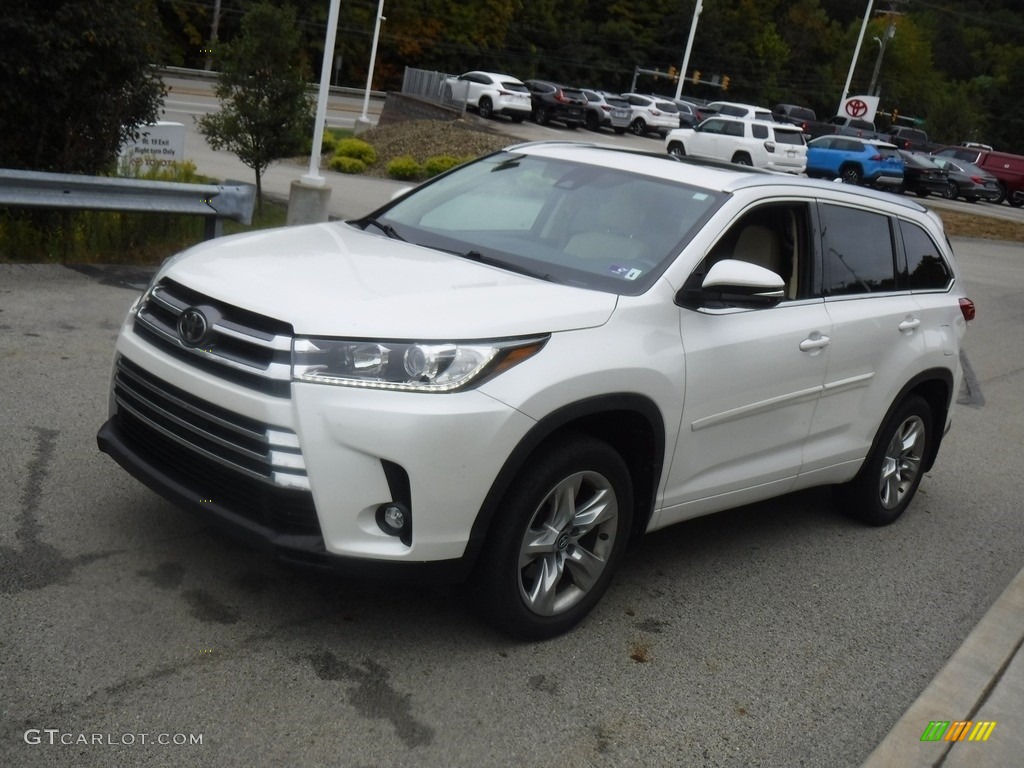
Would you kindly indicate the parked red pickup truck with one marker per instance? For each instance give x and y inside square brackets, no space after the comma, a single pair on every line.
[1009,169]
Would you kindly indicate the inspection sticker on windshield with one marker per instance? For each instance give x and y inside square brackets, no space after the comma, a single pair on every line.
[626,273]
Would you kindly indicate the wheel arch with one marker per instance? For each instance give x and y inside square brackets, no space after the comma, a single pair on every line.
[935,385]
[631,424]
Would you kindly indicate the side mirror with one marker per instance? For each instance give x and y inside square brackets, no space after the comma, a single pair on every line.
[733,283]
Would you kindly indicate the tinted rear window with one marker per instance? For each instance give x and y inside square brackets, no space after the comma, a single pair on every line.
[859,254]
[517,87]
[789,137]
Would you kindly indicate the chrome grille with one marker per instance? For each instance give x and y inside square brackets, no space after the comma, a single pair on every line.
[242,346]
[250,468]
[244,445]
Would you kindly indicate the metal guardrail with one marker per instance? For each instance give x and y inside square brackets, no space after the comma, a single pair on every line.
[215,202]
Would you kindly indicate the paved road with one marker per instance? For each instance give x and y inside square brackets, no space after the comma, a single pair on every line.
[774,635]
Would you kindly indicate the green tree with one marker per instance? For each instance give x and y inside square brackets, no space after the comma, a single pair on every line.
[265,112]
[76,80]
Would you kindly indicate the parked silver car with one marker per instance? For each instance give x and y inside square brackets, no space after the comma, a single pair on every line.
[607,110]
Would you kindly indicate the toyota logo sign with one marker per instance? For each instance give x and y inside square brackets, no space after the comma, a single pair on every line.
[192,326]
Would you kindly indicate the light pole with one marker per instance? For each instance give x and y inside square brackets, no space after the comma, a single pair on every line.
[314,177]
[689,46]
[309,195]
[363,122]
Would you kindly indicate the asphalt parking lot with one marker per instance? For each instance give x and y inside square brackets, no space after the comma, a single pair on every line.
[779,634]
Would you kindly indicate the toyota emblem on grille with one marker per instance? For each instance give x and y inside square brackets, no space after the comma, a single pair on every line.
[192,326]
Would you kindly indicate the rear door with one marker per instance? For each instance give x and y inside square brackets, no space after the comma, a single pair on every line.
[877,333]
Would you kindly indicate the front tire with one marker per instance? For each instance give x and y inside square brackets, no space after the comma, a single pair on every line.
[887,482]
[556,539]
[952,191]
[485,108]
[851,175]
[676,149]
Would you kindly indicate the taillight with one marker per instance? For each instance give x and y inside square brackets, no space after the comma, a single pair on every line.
[978,180]
[770,146]
[967,309]
[656,113]
[876,159]
[606,107]
[559,96]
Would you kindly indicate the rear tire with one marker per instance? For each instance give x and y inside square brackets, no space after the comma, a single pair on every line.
[593,123]
[891,473]
[742,158]
[638,127]
[556,539]
[540,116]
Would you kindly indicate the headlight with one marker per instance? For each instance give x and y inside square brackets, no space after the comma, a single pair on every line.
[408,366]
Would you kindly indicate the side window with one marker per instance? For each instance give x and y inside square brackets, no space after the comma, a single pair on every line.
[712,126]
[734,128]
[760,131]
[858,251]
[775,236]
[926,269]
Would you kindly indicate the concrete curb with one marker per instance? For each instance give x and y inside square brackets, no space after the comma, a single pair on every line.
[983,681]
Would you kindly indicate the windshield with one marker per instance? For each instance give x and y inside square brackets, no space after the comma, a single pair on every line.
[558,220]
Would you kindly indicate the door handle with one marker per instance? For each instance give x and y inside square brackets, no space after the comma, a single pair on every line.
[910,324]
[814,343]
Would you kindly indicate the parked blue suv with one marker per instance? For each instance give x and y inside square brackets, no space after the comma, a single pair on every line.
[855,161]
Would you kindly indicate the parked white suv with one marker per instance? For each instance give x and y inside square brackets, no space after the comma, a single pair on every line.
[651,114]
[763,144]
[745,111]
[514,371]
[493,94]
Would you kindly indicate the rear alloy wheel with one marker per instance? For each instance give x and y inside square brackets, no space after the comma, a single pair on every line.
[742,158]
[638,127]
[850,175]
[891,473]
[556,539]
[486,108]
[952,191]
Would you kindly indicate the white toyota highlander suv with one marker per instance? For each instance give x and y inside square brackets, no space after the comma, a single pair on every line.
[513,372]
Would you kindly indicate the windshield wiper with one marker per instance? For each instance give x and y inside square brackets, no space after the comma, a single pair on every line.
[387,229]
[511,267]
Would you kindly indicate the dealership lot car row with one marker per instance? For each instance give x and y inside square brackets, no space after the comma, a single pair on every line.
[511,373]
[786,138]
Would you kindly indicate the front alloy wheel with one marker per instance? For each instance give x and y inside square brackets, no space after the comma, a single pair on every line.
[556,540]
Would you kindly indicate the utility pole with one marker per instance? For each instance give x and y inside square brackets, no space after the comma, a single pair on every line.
[890,32]
[213,36]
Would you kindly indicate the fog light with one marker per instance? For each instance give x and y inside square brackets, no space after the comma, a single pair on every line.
[393,519]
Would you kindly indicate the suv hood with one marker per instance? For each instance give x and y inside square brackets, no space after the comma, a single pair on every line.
[336,280]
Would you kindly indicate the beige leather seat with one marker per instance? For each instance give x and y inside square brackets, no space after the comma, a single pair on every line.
[759,245]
